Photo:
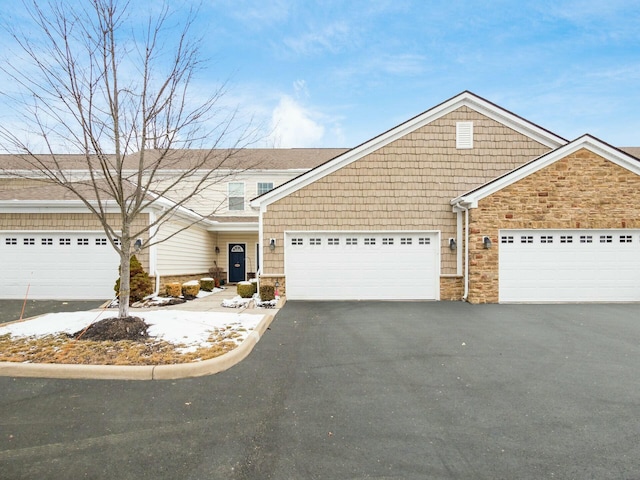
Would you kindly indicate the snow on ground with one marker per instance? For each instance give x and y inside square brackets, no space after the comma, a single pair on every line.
[175,326]
[152,301]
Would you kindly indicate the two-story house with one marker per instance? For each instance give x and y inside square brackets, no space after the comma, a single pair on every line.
[465,201]
[51,247]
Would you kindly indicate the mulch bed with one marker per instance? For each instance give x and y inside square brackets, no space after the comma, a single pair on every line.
[115,329]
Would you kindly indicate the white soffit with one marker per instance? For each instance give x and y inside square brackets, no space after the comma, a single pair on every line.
[588,142]
[466,98]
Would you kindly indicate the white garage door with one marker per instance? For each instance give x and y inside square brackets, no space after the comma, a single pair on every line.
[362,265]
[569,265]
[57,265]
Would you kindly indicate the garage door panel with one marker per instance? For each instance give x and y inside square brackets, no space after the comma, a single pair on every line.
[57,265]
[360,266]
[569,266]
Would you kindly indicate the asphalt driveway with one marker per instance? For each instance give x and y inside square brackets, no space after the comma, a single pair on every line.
[351,390]
[11,310]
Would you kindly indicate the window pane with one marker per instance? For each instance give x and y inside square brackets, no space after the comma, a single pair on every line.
[236,196]
[236,189]
[236,203]
[264,187]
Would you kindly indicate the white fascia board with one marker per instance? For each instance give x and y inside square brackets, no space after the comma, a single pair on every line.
[224,173]
[512,121]
[464,99]
[77,206]
[620,158]
[242,227]
[162,203]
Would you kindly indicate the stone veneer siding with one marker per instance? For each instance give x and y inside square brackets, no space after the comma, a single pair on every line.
[406,185]
[451,287]
[582,190]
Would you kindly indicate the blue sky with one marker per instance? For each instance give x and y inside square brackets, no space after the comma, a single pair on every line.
[337,73]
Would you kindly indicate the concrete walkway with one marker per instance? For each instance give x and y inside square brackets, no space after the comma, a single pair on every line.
[213,303]
[210,303]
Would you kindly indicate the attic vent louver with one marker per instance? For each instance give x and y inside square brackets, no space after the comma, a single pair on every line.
[464,135]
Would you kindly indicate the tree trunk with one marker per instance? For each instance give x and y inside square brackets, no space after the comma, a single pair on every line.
[125,278]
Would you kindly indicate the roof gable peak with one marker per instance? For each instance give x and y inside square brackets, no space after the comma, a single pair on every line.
[587,141]
[465,98]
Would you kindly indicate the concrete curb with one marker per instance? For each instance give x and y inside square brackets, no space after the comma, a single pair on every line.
[144,372]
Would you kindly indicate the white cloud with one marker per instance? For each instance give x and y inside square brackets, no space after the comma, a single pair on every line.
[331,38]
[294,126]
[255,15]
[300,87]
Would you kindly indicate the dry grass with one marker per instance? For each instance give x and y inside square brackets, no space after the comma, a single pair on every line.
[62,349]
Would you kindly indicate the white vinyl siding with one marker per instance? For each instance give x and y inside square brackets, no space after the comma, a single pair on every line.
[188,252]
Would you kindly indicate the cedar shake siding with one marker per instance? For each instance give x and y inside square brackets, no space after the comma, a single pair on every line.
[405,185]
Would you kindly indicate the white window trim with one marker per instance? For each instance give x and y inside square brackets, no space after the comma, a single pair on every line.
[244,197]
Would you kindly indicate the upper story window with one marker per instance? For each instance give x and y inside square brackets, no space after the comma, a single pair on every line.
[264,187]
[236,196]
[464,135]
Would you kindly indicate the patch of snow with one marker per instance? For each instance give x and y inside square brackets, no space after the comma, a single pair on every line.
[203,293]
[266,304]
[190,329]
[236,302]
[154,301]
[191,283]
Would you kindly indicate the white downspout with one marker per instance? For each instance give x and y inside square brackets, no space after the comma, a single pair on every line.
[466,254]
[460,206]
[153,254]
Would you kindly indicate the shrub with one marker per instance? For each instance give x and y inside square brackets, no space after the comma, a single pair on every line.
[217,274]
[140,282]
[190,289]
[267,293]
[246,289]
[174,289]
[207,284]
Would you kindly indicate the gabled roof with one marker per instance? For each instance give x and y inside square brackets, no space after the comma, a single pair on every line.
[635,151]
[47,190]
[49,197]
[471,198]
[174,160]
[465,98]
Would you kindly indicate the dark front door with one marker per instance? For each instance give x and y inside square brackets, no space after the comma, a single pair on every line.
[237,262]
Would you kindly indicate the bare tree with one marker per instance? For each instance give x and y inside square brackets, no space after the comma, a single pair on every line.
[118,91]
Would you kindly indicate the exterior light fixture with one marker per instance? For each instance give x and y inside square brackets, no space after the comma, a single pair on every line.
[138,245]
[272,244]
[486,241]
[217,250]
[452,244]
